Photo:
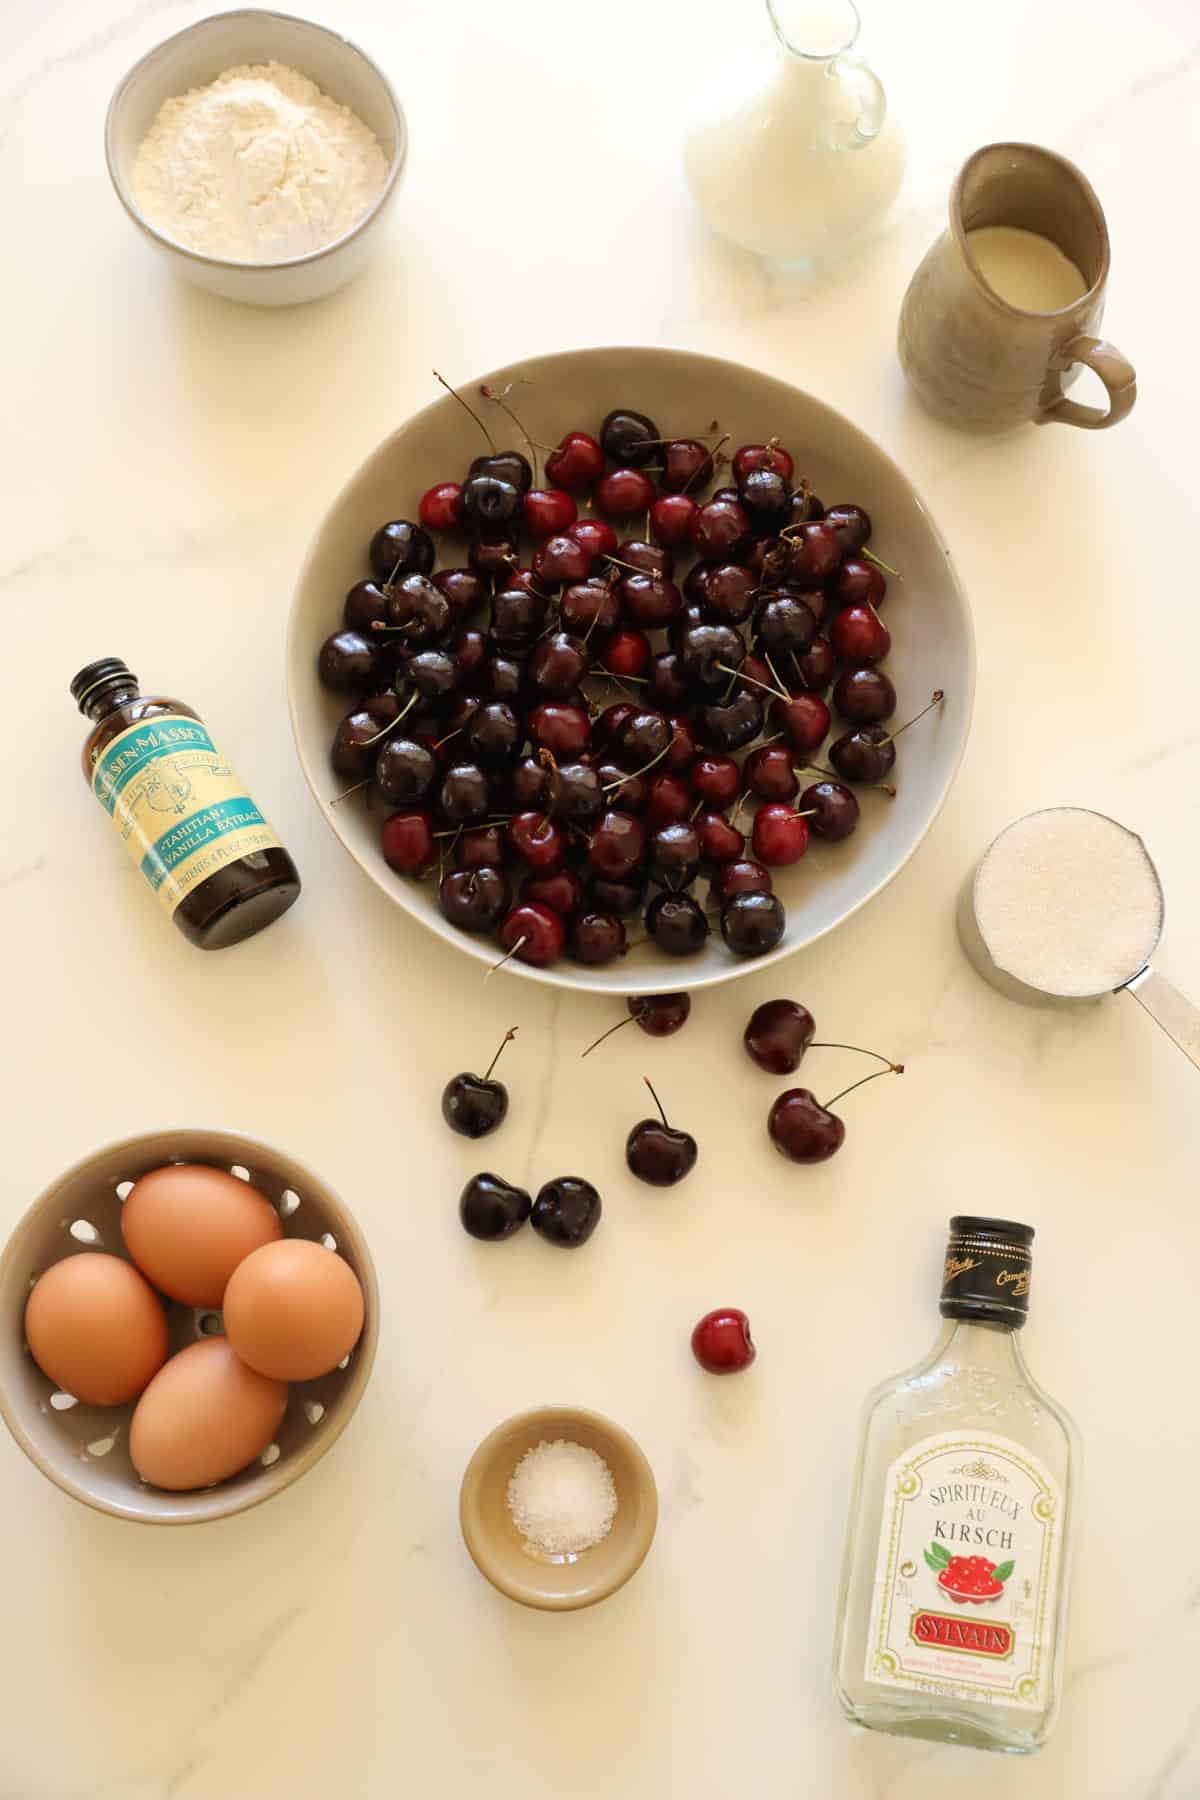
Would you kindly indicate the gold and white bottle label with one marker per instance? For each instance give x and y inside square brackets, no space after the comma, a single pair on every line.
[966,1580]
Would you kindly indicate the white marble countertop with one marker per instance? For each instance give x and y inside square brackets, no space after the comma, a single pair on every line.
[166,457]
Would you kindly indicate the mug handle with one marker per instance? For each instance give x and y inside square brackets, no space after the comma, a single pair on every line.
[872,101]
[1115,372]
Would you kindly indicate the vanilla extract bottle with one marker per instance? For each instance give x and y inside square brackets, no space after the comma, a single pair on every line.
[952,1611]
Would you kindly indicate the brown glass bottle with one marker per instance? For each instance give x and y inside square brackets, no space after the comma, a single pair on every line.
[207,852]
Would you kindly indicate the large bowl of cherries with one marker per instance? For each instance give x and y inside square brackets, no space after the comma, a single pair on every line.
[603,666]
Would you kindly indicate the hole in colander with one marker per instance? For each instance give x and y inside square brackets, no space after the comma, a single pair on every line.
[289,1202]
[329,1241]
[314,1412]
[210,1324]
[241,1173]
[63,1402]
[84,1232]
[102,1446]
[124,1189]
[270,1455]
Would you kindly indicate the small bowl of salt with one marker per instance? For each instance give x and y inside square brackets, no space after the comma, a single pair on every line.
[258,153]
[558,1508]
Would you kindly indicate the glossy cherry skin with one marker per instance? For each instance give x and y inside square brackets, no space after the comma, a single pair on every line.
[400,548]
[645,558]
[658,1154]
[866,755]
[864,696]
[475,899]
[720,529]
[716,779]
[677,924]
[538,841]
[728,590]
[624,493]
[778,1034]
[720,842]
[834,810]
[671,519]
[434,674]
[721,1342]
[733,723]
[533,934]
[566,1212]
[766,498]
[803,720]
[667,800]
[577,462]
[627,653]
[762,456]
[357,738]
[441,506]
[576,792]
[561,727]
[686,463]
[768,772]
[557,664]
[561,559]
[483,848]
[752,924]
[622,790]
[802,1129]
[506,465]
[491,1208]
[347,661]
[815,553]
[813,668]
[405,772]
[850,524]
[518,616]
[548,511]
[596,536]
[605,730]
[859,583]
[682,753]
[489,503]
[494,735]
[630,437]
[675,852]
[417,604]
[666,685]
[616,845]
[365,605]
[660,1015]
[501,677]
[407,842]
[470,648]
[472,1106]
[707,653]
[561,892]
[528,786]
[641,737]
[805,507]
[595,938]
[782,622]
[494,556]
[589,606]
[779,835]
[859,635]
[650,602]
[625,898]
[742,877]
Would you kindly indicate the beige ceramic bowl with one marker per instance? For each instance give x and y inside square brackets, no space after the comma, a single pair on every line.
[926,611]
[561,1584]
[196,56]
[84,1449]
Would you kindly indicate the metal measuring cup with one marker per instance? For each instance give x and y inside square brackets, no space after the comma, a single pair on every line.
[1159,997]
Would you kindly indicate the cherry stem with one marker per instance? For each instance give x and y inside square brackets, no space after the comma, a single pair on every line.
[628,1020]
[612,676]
[775,672]
[892,1069]
[634,773]
[467,409]
[799,670]
[662,1115]
[508,1037]
[779,693]
[346,792]
[939,695]
[501,401]
[392,724]
[634,568]
[509,954]
[857,1048]
[871,557]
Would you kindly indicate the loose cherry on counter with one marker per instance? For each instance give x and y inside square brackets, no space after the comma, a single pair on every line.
[778,1034]
[656,1152]
[473,1105]
[721,1341]
[803,1129]
[659,1015]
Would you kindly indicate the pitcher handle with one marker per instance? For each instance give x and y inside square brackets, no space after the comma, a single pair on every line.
[872,101]
[1115,372]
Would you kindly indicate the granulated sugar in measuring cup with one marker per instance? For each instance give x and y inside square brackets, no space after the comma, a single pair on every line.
[1066,905]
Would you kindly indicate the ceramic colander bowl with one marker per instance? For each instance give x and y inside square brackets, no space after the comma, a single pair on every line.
[84,1449]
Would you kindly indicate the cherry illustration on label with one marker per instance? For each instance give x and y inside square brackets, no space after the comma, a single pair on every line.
[969,1580]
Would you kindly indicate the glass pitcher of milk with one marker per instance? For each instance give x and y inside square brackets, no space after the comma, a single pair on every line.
[792,153]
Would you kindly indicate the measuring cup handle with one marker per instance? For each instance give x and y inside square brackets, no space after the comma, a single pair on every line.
[1170,1009]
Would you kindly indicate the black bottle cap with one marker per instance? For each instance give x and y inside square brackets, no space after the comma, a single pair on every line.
[987,1273]
[98,675]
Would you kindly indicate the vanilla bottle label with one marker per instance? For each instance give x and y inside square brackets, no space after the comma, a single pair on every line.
[966,1580]
[179,807]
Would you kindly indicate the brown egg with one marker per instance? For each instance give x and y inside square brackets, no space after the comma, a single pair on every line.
[203,1417]
[187,1227]
[96,1328]
[293,1310]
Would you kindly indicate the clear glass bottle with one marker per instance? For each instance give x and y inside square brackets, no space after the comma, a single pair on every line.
[952,1611]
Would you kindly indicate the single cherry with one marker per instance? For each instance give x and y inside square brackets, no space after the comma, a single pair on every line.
[658,1153]
[347,661]
[560,559]
[686,463]
[407,842]
[548,511]
[441,506]
[473,1105]
[677,924]
[859,635]
[803,720]
[624,493]
[742,877]
[671,519]
[589,605]
[807,1132]
[864,696]
[400,548]
[869,753]
[630,437]
[752,924]
[577,462]
[720,528]
[538,840]
[659,1015]
[491,1208]
[778,1034]
[731,724]
[562,892]
[721,1342]
[815,553]
[779,835]
[720,842]
[771,455]
[566,1211]
[851,526]
[595,938]
[627,653]
[483,848]
[475,899]
[859,583]
[532,933]
[596,536]
[768,772]
[560,726]
[716,779]
[833,807]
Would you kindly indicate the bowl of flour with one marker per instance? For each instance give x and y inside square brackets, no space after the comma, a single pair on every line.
[258,153]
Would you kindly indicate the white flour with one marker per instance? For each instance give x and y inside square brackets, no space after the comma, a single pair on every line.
[258,167]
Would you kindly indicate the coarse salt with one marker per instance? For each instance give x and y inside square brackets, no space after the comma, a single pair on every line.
[1068,901]
[562,1498]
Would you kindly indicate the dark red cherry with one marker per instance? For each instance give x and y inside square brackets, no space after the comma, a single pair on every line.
[720,529]
[851,526]
[707,654]
[716,779]
[645,558]
[813,668]
[494,735]
[595,938]
[682,752]
[518,617]
[729,592]
[475,899]
[605,730]
[465,796]
[815,553]
[596,536]
[804,1130]
[529,785]
[650,601]
[625,792]
[561,727]
[686,463]
[627,653]
[762,456]
[864,696]
[720,842]
[561,559]
[768,772]
[533,934]
[803,720]
[538,841]
[671,519]
[641,738]
[365,605]
[784,622]
[742,877]
[667,800]
[474,1105]
[778,1034]
[577,462]
[489,503]
[400,548]
[834,810]
[624,493]
[562,892]
[494,557]
[677,924]
[666,686]
[675,852]
[616,845]
[660,1015]
[505,465]
[358,736]
[557,665]
[589,605]
[859,635]
[405,772]
[866,755]
[469,648]
[482,848]
[630,437]
[501,677]
[407,842]
[753,924]
[547,512]
[731,724]
[805,506]
[625,898]
[441,506]
[347,661]
[766,497]
[491,1209]
[657,1153]
[779,835]
[576,793]
[859,583]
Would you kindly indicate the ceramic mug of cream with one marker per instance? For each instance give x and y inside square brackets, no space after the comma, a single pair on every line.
[1007,304]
